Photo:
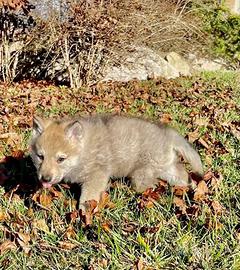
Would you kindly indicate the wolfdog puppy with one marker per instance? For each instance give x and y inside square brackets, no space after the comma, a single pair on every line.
[90,150]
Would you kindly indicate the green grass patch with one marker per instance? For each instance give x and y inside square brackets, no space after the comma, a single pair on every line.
[122,237]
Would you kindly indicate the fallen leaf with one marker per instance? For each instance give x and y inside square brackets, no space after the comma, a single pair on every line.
[201,191]
[237,233]
[7,245]
[18,154]
[193,211]
[151,194]
[41,225]
[193,136]
[105,201]
[23,240]
[166,118]
[201,121]
[180,191]
[30,212]
[3,215]
[235,132]
[238,236]
[72,216]
[139,264]
[203,143]
[149,229]
[70,232]
[87,216]
[208,175]
[66,245]
[106,226]
[45,199]
[217,207]
[129,227]
[103,263]
[180,203]
[214,224]
[55,193]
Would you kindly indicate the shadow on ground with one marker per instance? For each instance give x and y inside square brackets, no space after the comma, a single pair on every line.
[18,175]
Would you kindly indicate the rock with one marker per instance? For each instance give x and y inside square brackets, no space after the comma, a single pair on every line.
[179,63]
[140,63]
[201,64]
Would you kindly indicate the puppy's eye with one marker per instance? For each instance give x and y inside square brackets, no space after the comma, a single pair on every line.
[40,156]
[61,159]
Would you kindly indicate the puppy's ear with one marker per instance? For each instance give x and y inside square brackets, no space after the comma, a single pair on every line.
[74,130]
[39,125]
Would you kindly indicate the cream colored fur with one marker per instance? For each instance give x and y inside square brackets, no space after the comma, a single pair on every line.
[90,150]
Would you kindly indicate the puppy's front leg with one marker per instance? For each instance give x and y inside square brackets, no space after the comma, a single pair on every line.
[91,189]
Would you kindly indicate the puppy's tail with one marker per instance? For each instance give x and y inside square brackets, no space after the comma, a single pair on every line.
[186,150]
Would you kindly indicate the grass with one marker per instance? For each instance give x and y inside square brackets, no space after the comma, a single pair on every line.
[126,236]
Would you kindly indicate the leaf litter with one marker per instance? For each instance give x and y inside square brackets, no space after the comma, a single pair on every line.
[16,115]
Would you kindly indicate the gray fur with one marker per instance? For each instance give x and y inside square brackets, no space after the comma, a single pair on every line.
[96,148]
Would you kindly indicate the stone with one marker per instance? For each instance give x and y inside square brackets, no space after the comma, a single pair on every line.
[201,64]
[140,63]
[179,63]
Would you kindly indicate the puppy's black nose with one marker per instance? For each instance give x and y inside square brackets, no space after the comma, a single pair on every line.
[46,178]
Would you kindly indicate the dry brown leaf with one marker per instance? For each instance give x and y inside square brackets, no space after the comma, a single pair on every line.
[87,216]
[72,216]
[70,203]
[203,143]
[106,226]
[103,263]
[105,201]
[193,136]
[18,154]
[235,132]
[217,207]
[208,175]
[214,224]
[193,211]
[151,194]
[3,215]
[41,225]
[140,264]
[180,203]
[129,227]
[56,193]
[180,191]
[151,229]
[70,232]
[238,236]
[67,245]
[201,191]
[166,118]
[23,240]
[45,199]
[30,212]
[200,121]
[7,245]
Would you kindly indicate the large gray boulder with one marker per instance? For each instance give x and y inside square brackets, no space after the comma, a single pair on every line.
[140,63]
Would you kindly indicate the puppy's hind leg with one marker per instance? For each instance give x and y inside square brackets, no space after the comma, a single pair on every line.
[175,174]
[144,178]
